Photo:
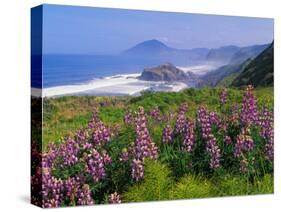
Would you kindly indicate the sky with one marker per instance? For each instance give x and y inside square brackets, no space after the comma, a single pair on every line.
[88,30]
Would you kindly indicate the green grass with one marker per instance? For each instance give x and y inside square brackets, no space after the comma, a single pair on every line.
[64,115]
[159,185]
[155,186]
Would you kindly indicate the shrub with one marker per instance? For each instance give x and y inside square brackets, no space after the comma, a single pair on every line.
[155,186]
[191,186]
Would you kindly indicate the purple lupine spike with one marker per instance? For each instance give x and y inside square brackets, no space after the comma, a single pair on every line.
[223,96]
[52,190]
[114,198]
[244,143]
[144,147]
[244,165]
[155,114]
[266,124]
[167,135]
[101,134]
[68,152]
[128,118]
[249,113]
[137,169]
[214,152]
[106,158]
[181,120]
[189,138]
[234,114]
[214,118]
[95,165]
[124,155]
[227,139]
[206,120]
[82,138]
[84,196]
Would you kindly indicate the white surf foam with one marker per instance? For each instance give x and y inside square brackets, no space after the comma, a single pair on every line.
[115,85]
[199,69]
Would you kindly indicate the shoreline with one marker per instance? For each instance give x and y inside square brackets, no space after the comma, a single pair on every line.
[117,85]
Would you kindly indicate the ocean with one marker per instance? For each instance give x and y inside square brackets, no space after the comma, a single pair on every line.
[102,75]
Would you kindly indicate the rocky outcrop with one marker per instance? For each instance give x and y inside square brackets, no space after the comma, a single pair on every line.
[165,72]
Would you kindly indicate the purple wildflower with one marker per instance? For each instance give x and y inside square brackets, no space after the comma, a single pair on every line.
[137,169]
[214,152]
[144,147]
[167,135]
[189,138]
[181,120]
[223,96]
[114,198]
[155,114]
[95,165]
[124,155]
[249,113]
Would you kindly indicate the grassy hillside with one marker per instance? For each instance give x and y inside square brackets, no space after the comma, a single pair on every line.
[158,146]
[259,72]
[64,115]
[223,74]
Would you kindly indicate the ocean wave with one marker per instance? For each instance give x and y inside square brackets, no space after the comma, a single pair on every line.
[126,84]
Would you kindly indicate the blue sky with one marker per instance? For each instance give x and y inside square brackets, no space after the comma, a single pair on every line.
[86,30]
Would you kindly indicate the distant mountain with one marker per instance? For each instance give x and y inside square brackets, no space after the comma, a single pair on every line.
[148,47]
[222,54]
[247,52]
[237,62]
[165,72]
[156,50]
[258,72]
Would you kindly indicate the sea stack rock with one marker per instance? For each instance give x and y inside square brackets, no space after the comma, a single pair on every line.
[164,72]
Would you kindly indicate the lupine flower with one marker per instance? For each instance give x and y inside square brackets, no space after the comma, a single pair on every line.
[244,165]
[84,196]
[144,147]
[227,139]
[52,190]
[155,114]
[214,152]
[223,96]
[234,114]
[71,186]
[249,113]
[95,119]
[128,118]
[101,133]
[106,158]
[167,135]
[168,117]
[137,169]
[181,121]
[114,198]
[124,155]
[269,148]
[95,165]
[82,138]
[214,118]
[189,138]
[244,143]
[206,120]
[68,152]
[267,132]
